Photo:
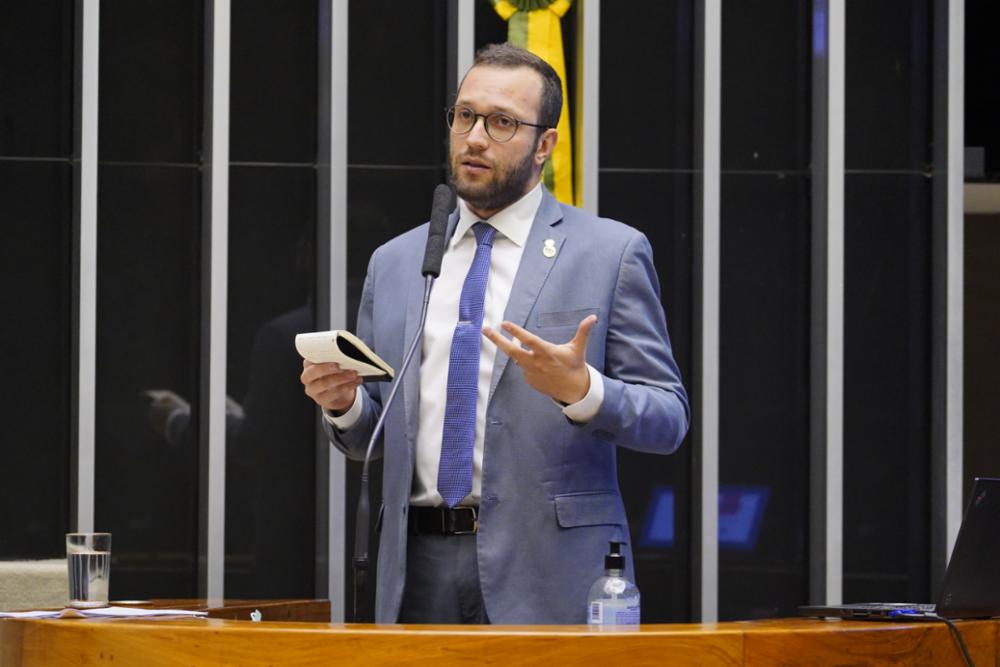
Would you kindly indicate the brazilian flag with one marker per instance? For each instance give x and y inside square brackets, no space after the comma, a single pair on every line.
[535,25]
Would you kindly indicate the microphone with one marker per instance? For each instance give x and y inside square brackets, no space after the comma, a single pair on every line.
[441,208]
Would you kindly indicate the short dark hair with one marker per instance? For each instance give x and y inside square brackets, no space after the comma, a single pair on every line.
[508,56]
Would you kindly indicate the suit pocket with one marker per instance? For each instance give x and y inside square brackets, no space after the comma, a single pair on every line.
[564,318]
[596,508]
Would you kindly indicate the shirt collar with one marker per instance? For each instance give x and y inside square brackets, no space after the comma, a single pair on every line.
[514,222]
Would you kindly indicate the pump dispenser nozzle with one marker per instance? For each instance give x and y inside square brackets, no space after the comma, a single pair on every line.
[615,560]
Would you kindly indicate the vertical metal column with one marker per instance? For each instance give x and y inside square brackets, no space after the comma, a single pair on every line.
[215,254]
[84,381]
[331,302]
[827,346]
[955,311]
[947,270]
[588,81]
[461,44]
[705,473]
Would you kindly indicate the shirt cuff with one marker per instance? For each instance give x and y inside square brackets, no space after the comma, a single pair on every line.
[587,407]
[349,418]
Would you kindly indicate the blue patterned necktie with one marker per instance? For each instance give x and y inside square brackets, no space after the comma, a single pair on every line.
[459,437]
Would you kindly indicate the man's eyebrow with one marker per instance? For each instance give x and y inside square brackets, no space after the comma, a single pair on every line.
[502,109]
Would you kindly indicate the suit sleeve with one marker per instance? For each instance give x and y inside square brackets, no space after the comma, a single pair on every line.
[645,406]
[354,441]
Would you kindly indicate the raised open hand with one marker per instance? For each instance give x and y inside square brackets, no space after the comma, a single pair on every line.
[556,370]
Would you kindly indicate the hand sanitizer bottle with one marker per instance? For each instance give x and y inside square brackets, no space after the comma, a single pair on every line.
[613,599]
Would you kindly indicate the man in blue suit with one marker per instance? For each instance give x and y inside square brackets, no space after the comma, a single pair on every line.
[500,489]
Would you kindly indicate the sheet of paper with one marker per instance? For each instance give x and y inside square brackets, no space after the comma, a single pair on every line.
[131,612]
[101,612]
[29,614]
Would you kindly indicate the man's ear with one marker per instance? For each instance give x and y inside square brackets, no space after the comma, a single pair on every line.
[546,144]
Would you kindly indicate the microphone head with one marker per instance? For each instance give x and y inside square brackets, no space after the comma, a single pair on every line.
[441,207]
[444,201]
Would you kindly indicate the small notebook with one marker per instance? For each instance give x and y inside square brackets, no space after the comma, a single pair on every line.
[345,349]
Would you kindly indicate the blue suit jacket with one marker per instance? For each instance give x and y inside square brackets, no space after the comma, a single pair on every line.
[550,498]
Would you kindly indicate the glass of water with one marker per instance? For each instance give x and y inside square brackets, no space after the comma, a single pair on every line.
[88,556]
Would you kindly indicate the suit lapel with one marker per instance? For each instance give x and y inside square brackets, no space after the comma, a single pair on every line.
[411,382]
[531,273]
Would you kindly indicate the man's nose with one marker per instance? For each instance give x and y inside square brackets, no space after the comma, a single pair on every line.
[478,136]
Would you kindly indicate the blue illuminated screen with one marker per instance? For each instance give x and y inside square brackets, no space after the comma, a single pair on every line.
[741,509]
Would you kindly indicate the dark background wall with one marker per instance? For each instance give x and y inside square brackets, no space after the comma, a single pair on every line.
[646,178]
[764,337]
[982,354]
[887,210]
[150,253]
[982,95]
[36,188]
[148,286]
[982,242]
[270,451]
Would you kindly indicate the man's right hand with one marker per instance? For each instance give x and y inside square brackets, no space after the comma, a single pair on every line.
[332,388]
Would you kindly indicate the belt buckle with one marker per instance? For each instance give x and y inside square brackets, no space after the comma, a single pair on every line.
[475,521]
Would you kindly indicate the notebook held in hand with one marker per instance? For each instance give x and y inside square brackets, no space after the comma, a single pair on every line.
[347,350]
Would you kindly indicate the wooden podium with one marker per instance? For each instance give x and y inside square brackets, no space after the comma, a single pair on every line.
[223,639]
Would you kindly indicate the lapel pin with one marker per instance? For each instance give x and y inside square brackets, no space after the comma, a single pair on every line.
[549,248]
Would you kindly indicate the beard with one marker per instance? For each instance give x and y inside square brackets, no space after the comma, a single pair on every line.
[509,183]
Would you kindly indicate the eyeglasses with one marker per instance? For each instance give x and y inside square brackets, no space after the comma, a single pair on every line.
[499,126]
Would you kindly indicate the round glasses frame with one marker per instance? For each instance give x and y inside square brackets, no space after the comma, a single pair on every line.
[501,127]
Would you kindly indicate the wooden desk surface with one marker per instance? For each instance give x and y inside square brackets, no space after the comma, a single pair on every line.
[317,611]
[221,641]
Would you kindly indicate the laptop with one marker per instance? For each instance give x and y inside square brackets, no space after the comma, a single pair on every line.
[971,587]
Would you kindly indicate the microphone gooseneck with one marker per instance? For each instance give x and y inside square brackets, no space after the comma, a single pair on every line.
[441,207]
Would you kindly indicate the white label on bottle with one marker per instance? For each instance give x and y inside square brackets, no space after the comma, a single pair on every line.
[596,612]
[612,612]
[627,616]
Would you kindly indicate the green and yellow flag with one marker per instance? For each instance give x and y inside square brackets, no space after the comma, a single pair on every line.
[535,25]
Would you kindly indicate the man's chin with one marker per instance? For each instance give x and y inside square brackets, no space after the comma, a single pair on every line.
[473,194]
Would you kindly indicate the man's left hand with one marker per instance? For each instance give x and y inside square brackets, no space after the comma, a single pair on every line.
[558,371]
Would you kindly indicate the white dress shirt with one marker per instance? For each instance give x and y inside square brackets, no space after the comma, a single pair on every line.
[513,225]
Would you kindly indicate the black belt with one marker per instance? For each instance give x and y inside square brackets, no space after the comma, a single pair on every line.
[444,520]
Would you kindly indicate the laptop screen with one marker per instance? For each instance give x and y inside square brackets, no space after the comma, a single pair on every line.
[971,584]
